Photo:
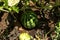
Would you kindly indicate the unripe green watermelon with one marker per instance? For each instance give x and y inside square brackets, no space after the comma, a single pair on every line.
[29,19]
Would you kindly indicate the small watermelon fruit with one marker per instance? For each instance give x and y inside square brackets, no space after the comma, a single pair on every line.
[29,19]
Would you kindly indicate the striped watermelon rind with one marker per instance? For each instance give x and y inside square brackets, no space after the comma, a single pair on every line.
[29,19]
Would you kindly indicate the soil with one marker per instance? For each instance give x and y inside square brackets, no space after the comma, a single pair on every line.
[10,30]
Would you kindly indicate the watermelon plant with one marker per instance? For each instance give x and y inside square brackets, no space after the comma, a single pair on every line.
[58,27]
[29,19]
[57,31]
[9,5]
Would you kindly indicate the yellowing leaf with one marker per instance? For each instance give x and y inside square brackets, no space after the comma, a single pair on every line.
[12,2]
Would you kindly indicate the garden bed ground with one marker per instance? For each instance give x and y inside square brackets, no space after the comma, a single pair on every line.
[14,31]
[47,12]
